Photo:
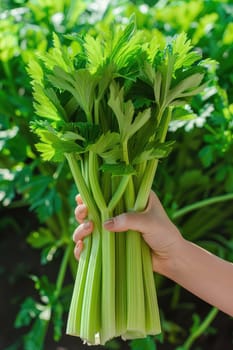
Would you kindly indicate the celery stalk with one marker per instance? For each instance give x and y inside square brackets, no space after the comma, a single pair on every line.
[121,273]
[74,319]
[108,328]
[121,284]
[151,305]
[90,314]
[83,189]
[135,301]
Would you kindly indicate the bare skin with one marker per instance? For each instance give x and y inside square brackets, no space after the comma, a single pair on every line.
[197,270]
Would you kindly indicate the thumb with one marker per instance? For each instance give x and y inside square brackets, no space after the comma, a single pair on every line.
[125,222]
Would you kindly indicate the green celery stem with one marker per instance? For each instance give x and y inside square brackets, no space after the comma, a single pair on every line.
[135,287]
[90,318]
[120,249]
[75,310]
[108,317]
[82,188]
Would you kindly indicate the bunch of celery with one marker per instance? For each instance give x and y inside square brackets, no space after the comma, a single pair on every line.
[105,104]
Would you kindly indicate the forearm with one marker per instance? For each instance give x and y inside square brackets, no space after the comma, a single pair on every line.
[202,273]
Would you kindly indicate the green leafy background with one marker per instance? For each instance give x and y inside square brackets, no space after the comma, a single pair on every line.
[195,183]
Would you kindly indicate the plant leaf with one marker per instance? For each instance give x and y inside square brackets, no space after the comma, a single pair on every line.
[43,104]
[187,87]
[95,52]
[124,111]
[54,147]
[140,120]
[154,150]
[106,142]
[182,48]
[57,56]
[40,238]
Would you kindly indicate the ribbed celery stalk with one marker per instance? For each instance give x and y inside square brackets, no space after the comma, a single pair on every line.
[74,319]
[135,300]
[88,278]
[91,320]
[120,258]
[79,179]
[135,315]
[108,326]
[151,167]
[151,305]
[121,284]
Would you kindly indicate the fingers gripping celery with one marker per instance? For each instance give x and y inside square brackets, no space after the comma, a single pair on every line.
[106,109]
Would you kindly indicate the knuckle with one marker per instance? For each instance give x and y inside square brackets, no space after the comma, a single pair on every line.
[83,230]
[76,253]
[78,233]
[78,199]
[80,213]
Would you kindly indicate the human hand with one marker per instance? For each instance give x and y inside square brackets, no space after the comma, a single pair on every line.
[191,266]
[156,228]
[85,227]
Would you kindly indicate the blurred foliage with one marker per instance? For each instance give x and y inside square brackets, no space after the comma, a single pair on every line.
[199,168]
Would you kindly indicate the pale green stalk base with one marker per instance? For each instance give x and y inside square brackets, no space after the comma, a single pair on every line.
[135,287]
[151,305]
[108,318]
[90,320]
[121,284]
[74,318]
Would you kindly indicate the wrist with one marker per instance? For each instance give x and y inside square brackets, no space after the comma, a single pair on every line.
[168,264]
